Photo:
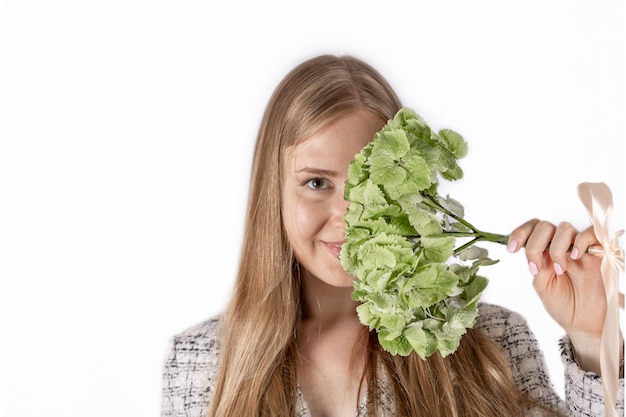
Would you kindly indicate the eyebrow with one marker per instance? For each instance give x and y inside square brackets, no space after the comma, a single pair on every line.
[318,171]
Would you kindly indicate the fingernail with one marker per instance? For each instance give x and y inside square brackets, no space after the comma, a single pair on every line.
[558,269]
[574,254]
[512,245]
[533,268]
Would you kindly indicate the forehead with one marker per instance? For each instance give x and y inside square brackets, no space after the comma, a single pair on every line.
[335,145]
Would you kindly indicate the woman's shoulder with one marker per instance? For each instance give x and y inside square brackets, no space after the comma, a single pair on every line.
[511,332]
[190,369]
[201,336]
[197,346]
[204,329]
[488,311]
[501,324]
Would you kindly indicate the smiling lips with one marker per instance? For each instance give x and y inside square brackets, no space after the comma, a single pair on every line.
[334,247]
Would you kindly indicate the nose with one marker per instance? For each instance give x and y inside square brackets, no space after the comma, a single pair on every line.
[339,207]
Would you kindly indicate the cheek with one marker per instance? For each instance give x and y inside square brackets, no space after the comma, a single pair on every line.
[303,219]
[310,218]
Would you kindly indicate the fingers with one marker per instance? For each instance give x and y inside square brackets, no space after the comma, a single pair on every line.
[560,245]
[517,238]
[582,242]
[550,246]
[539,240]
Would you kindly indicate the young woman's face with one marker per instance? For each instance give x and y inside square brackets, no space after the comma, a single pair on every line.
[313,204]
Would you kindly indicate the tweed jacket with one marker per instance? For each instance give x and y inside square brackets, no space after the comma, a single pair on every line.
[190,370]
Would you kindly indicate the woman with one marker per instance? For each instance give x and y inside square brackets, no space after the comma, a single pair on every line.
[290,343]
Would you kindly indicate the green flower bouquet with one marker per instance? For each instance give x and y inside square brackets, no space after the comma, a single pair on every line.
[417,286]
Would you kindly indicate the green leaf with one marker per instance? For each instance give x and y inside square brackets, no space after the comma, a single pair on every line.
[368,194]
[454,142]
[452,205]
[417,171]
[420,216]
[385,170]
[475,289]
[396,192]
[421,341]
[391,142]
[357,170]
[400,237]
[396,345]
[473,252]
[438,249]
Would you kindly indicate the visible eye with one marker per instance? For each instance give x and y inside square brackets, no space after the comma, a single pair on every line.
[317,183]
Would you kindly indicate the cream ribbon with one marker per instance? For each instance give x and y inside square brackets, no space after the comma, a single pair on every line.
[598,200]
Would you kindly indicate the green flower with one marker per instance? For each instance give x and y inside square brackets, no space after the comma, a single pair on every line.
[418,288]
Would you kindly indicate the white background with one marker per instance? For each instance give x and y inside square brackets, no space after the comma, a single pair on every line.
[127,131]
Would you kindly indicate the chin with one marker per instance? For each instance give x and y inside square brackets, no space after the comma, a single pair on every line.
[332,275]
[345,281]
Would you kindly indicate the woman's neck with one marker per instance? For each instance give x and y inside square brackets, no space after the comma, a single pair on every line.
[331,350]
[326,305]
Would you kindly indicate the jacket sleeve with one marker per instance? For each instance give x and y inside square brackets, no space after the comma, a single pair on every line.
[190,370]
[583,390]
[528,366]
[171,398]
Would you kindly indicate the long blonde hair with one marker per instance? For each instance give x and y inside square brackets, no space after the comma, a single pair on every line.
[257,363]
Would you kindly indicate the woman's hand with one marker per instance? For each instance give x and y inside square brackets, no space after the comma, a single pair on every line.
[568,281]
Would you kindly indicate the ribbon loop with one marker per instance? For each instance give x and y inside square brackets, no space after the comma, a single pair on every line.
[598,200]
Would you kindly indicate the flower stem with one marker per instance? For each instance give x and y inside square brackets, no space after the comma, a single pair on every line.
[430,201]
[477,234]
